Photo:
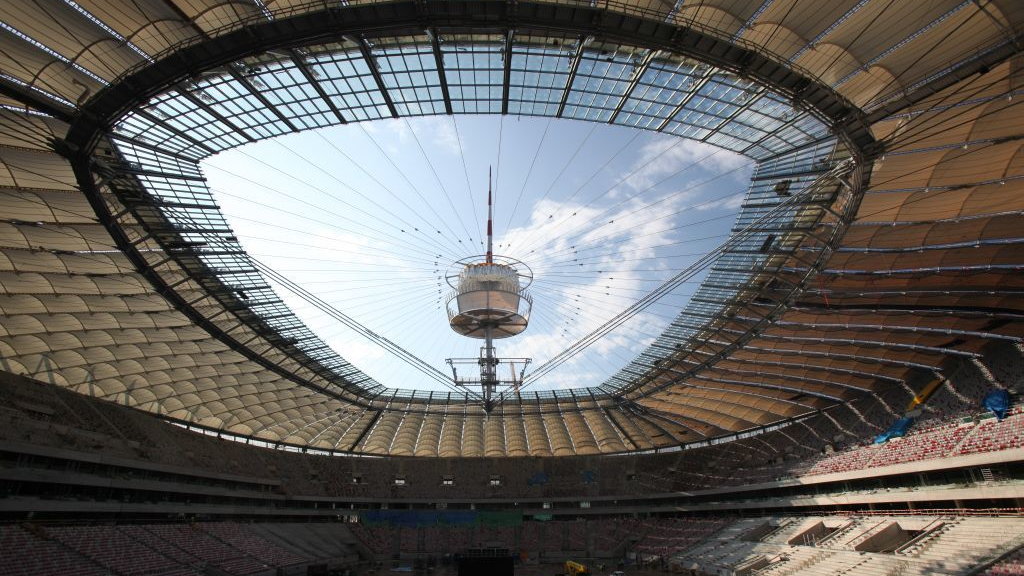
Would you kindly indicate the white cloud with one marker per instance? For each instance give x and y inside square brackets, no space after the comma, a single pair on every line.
[658,160]
[398,136]
[625,242]
[391,134]
[732,202]
[437,134]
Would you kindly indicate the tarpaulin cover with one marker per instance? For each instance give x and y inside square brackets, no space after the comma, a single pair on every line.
[898,428]
[998,401]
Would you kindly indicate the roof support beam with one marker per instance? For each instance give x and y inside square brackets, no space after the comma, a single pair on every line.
[507,74]
[303,425]
[770,386]
[752,18]
[694,88]
[765,386]
[676,6]
[325,430]
[371,63]
[189,22]
[198,102]
[789,124]
[674,418]
[351,425]
[889,328]
[627,440]
[35,100]
[735,114]
[258,94]
[312,349]
[911,308]
[650,417]
[621,411]
[571,77]
[114,137]
[791,175]
[633,82]
[868,360]
[177,132]
[128,169]
[303,68]
[818,367]
[873,344]
[916,272]
[442,76]
[308,399]
[366,430]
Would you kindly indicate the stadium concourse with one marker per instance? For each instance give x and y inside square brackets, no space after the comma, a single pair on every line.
[839,396]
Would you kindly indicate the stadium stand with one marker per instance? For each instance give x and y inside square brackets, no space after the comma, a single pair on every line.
[221,461]
[172,549]
[875,544]
[111,548]
[1010,565]
[25,554]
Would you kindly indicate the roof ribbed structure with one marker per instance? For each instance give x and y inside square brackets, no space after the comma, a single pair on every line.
[879,242]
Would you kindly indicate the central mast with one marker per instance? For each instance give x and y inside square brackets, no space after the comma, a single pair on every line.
[490,222]
[489,301]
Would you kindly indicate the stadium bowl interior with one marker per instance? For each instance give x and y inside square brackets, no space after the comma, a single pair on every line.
[165,413]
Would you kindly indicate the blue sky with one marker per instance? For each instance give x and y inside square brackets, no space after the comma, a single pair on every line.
[370,216]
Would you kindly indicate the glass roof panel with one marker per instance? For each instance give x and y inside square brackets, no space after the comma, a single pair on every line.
[474,68]
[538,78]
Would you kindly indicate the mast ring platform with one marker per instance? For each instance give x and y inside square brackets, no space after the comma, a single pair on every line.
[489,298]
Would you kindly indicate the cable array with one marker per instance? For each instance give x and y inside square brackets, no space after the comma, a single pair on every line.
[777,212]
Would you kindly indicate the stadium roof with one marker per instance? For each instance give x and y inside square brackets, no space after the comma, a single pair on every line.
[880,236]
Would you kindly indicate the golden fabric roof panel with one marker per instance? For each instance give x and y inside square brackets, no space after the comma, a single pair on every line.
[151,25]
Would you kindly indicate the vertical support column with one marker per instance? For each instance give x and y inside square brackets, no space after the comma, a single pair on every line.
[488,369]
